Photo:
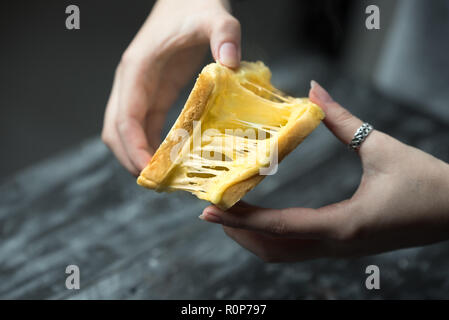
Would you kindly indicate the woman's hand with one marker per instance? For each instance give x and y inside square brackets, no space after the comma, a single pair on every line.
[402,201]
[157,64]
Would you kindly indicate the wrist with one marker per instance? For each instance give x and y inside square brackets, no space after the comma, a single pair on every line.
[442,186]
[226,4]
[445,184]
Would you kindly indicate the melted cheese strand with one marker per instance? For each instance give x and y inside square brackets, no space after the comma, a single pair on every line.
[245,117]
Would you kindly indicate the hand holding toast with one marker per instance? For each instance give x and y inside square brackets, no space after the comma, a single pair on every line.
[160,60]
[402,201]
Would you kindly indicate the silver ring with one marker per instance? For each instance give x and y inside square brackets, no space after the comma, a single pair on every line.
[360,136]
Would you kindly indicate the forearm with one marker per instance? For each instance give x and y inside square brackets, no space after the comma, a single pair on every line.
[442,190]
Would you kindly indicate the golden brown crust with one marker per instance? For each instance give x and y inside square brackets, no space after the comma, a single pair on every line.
[160,164]
[235,192]
[286,143]
[302,127]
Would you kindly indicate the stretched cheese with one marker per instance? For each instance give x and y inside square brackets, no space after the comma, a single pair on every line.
[234,127]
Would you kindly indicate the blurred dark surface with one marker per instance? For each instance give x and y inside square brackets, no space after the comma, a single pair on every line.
[130,243]
[64,199]
[55,82]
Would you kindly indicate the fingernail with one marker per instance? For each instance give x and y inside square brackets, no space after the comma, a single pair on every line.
[320,92]
[228,55]
[210,217]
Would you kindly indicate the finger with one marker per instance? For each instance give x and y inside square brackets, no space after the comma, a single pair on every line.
[338,120]
[120,153]
[224,38]
[293,222]
[133,103]
[168,91]
[109,133]
[154,128]
[243,204]
[132,136]
[272,249]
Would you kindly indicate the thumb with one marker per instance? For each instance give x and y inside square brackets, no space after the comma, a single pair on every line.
[225,40]
[290,222]
[338,120]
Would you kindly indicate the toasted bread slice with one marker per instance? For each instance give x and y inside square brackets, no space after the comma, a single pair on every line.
[214,148]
